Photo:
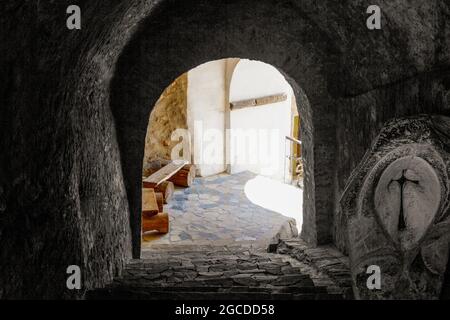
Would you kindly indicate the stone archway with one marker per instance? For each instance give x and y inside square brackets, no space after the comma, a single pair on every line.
[255,193]
[163,47]
[355,79]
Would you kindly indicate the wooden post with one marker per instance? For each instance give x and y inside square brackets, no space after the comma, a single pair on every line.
[159,222]
[149,203]
[160,201]
[184,177]
[166,188]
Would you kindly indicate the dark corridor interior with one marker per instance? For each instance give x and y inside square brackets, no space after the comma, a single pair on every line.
[375,132]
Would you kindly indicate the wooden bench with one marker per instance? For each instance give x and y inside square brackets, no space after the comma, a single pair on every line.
[159,223]
[149,203]
[157,190]
[166,189]
[183,177]
[163,174]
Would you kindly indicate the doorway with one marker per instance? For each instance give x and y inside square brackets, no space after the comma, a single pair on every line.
[232,120]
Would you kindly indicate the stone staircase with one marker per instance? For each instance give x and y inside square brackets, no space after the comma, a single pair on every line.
[215,273]
[326,259]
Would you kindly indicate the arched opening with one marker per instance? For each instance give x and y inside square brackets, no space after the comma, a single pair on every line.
[264,106]
[70,169]
[235,124]
[151,62]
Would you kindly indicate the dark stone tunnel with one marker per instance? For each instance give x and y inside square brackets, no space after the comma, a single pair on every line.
[74,106]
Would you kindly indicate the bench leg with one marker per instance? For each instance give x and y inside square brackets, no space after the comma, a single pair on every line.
[159,222]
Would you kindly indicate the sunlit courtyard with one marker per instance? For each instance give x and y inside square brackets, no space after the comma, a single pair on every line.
[237,208]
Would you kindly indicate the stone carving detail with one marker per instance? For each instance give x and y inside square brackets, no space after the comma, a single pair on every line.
[397,208]
[407,199]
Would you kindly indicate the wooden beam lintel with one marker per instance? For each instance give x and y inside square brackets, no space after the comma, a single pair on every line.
[258,101]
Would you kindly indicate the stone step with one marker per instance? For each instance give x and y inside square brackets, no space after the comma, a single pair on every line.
[201,294]
[238,273]
[324,259]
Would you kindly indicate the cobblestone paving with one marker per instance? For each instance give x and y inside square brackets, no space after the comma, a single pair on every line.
[215,209]
[212,272]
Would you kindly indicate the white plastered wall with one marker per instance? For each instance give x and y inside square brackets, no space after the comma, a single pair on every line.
[257,139]
[206,101]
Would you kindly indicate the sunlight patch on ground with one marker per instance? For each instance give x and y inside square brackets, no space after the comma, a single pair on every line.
[276,196]
[215,210]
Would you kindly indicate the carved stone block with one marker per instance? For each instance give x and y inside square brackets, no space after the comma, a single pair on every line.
[397,207]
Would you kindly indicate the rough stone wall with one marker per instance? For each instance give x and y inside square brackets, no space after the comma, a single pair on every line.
[401,224]
[168,115]
[324,47]
[166,40]
[362,117]
[62,179]
[62,197]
